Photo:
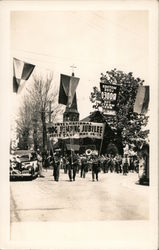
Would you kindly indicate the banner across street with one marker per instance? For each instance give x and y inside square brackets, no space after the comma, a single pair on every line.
[76,130]
[109,94]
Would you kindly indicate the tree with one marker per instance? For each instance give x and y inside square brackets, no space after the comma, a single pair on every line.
[39,96]
[42,94]
[126,124]
[23,124]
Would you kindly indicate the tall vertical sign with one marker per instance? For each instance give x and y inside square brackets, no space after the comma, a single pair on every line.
[109,95]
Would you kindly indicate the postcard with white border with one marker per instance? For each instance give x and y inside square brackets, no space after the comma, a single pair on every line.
[79,125]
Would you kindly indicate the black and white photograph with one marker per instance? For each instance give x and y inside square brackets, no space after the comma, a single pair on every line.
[82,133]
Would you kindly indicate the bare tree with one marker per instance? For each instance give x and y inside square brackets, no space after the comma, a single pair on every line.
[40,96]
[23,124]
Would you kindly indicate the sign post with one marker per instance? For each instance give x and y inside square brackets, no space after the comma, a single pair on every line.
[102,141]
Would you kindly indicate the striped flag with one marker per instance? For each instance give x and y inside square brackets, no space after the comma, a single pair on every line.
[67,93]
[21,73]
[142,100]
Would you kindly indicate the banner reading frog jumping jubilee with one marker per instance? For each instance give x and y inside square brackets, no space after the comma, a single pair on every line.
[76,130]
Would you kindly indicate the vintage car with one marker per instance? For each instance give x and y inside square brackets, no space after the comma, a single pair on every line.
[23,164]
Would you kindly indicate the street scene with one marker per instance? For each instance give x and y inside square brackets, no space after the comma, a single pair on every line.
[80,135]
[113,197]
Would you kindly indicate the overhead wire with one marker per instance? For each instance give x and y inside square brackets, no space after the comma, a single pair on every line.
[60,60]
[91,22]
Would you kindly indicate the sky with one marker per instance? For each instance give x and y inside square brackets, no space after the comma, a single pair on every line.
[94,41]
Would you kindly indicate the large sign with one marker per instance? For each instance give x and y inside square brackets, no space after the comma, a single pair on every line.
[76,130]
[109,94]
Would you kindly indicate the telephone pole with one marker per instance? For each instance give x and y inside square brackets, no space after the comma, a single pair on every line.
[50,112]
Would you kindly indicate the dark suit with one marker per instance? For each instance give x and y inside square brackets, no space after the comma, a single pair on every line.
[72,168]
[84,167]
[95,169]
[56,168]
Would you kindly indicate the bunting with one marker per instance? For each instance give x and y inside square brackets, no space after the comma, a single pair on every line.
[21,73]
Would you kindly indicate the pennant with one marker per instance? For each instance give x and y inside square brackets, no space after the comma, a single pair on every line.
[74,103]
[67,93]
[142,100]
[64,89]
[21,73]
[72,89]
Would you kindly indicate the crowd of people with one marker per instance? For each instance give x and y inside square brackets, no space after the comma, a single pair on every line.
[74,163]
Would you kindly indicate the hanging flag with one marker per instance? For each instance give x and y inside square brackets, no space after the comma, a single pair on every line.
[74,103]
[67,93]
[21,73]
[72,89]
[142,100]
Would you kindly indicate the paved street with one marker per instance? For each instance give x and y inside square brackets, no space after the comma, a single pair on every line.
[113,197]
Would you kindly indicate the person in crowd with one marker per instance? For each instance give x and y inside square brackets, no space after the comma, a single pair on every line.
[125,164]
[101,160]
[67,163]
[105,166]
[72,168]
[33,156]
[111,163]
[95,168]
[65,160]
[46,160]
[117,164]
[131,167]
[61,161]
[108,163]
[78,163]
[39,162]
[84,167]
[120,163]
[141,166]
[105,163]
[89,163]
[136,164]
[56,166]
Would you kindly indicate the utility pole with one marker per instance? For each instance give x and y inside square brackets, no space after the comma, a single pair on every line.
[72,139]
[44,129]
[50,112]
